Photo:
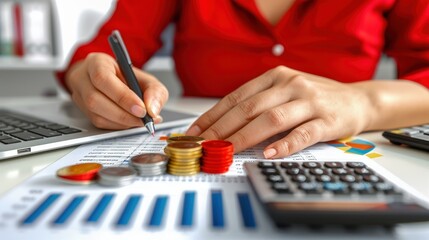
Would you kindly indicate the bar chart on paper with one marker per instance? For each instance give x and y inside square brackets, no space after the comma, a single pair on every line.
[191,209]
[161,207]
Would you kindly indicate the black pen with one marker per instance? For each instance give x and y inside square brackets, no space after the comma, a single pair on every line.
[126,66]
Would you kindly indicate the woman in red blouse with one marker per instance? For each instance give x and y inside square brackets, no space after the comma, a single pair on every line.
[296,66]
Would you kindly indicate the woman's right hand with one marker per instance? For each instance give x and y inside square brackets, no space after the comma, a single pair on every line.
[100,91]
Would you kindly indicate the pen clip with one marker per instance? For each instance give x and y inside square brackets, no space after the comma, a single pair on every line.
[116,36]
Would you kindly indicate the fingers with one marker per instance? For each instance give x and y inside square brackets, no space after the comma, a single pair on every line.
[279,119]
[155,93]
[96,105]
[249,89]
[245,112]
[105,77]
[299,138]
[98,120]
[103,71]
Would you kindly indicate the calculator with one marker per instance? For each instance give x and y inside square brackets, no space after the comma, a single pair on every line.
[416,137]
[334,192]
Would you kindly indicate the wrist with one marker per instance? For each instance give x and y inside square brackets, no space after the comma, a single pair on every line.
[370,102]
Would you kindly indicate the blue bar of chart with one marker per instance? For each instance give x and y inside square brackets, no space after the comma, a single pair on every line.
[100,208]
[157,217]
[158,211]
[188,209]
[217,209]
[128,211]
[43,207]
[246,210]
[69,210]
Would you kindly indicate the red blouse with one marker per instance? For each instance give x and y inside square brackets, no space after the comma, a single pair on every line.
[221,44]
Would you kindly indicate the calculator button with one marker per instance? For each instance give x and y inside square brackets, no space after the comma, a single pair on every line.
[310,187]
[424,136]
[356,165]
[281,187]
[384,187]
[336,187]
[363,171]
[295,171]
[324,178]
[266,165]
[348,178]
[288,165]
[300,178]
[318,171]
[341,171]
[269,171]
[275,178]
[421,129]
[334,165]
[362,187]
[311,165]
[372,178]
[409,131]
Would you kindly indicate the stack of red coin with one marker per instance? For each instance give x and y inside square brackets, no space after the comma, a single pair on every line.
[217,156]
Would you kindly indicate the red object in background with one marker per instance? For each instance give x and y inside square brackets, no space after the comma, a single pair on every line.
[219,45]
[18,42]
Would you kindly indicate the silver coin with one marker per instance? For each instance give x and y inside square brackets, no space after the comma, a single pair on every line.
[115,183]
[152,172]
[152,175]
[148,167]
[149,159]
[117,173]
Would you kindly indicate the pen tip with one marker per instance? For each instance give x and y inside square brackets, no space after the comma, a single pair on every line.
[151,128]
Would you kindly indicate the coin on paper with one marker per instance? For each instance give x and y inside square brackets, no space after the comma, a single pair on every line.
[149,164]
[82,173]
[116,176]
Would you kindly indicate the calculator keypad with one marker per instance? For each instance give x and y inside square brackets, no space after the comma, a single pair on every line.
[338,178]
[332,192]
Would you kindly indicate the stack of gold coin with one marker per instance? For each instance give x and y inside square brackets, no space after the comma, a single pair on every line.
[184,158]
[185,139]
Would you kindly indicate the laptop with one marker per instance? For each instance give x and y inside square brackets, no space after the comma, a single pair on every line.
[29,129]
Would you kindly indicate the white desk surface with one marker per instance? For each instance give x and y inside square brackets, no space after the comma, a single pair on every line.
[411,165]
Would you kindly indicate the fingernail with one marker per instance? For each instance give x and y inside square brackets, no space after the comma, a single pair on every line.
[158,119]
[155,108]
[270,152]
[138,111]
[194,131]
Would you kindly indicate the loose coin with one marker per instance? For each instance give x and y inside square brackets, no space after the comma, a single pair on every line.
[150,158]
[80,173]
[149,164]
[116,176]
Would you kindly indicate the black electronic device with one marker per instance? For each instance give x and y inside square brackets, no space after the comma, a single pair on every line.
[416,137]
[346,193]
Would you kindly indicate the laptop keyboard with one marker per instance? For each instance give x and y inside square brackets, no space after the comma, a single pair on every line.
[16,128]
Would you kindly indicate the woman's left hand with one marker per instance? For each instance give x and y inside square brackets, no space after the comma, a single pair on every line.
[308,108]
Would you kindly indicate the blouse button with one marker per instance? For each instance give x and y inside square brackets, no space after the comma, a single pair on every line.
[278,49]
